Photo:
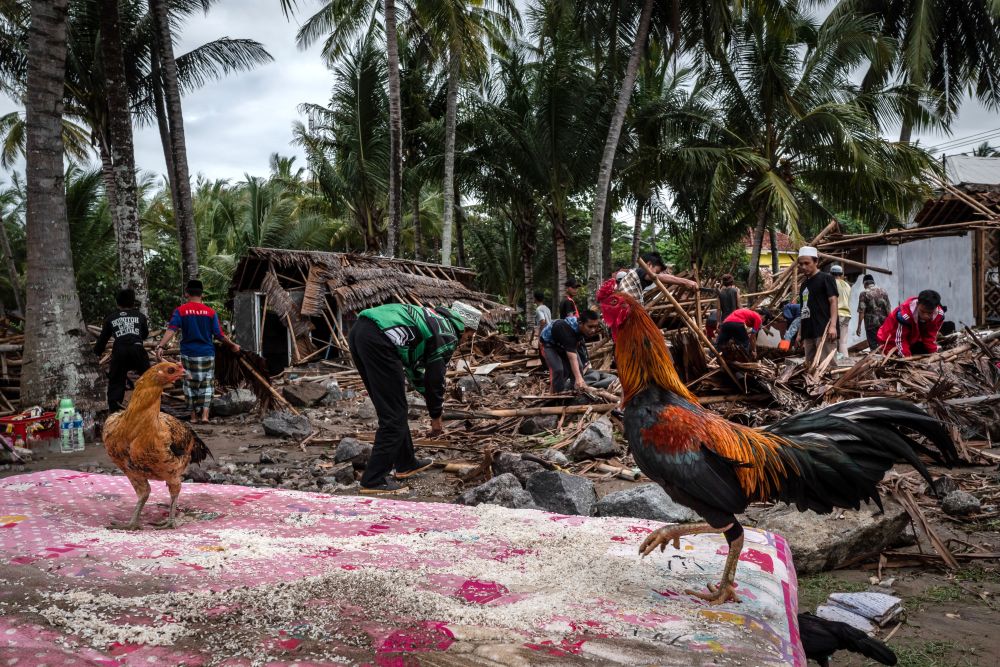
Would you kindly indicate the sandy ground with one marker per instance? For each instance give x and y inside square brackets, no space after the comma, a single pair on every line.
[952,618]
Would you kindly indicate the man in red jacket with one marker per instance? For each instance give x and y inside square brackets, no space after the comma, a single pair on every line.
[912,328]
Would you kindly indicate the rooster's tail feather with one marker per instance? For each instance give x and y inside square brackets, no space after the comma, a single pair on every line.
[200,451]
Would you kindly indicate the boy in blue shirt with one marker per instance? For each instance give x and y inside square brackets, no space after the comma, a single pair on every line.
[198,325]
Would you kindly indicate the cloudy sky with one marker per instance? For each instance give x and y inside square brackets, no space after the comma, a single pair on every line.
[234,125]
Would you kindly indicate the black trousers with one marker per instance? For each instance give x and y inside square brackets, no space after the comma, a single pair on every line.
[381,370]
[872,336]
[124,359]
[735,332]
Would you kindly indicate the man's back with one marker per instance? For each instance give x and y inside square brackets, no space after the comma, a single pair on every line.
[199,326]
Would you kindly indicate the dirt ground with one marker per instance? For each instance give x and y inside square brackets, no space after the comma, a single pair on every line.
[952,619]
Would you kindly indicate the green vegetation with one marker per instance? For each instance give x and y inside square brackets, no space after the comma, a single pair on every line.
[930,654]
[814,589]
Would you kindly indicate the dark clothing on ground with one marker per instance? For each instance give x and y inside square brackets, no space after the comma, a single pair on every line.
[568,308]
[872,336]
[381,370]
[728,302]
[814,298]
[734,332]
[558,339]
[560,370]
[129,328]
[128,358]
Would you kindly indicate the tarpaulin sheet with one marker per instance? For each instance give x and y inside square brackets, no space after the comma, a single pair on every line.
[276,577]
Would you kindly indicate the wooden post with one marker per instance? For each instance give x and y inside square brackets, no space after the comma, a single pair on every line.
[687,320]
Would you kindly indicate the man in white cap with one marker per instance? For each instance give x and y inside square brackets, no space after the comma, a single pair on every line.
[818,298]
[843,309]
[394,343]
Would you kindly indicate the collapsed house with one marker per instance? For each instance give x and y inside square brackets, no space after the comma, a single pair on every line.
[953,247]
[293,306]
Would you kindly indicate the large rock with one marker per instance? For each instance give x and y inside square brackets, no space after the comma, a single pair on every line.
[597,441]
[304,394]
[562,493]
[286,425]
[235,402]
[366,410]
[960,503]
[502,490]
[648,501]
[538,424]
[333,392]
[509,462]
[554,456]
[828,541]
[353,451]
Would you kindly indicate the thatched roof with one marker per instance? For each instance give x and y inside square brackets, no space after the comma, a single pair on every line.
[357,281]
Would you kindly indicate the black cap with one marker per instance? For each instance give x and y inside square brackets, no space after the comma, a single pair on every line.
[194,288]
[573,282]
[868,279]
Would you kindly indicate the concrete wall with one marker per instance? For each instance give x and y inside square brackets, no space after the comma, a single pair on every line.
[943,264]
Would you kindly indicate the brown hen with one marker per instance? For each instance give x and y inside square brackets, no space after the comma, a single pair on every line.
[148,444]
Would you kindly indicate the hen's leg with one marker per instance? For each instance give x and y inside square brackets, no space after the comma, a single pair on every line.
[726,590]
[663,536]
[175,490]
[141,486]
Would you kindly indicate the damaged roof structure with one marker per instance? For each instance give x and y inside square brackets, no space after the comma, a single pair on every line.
[296,306]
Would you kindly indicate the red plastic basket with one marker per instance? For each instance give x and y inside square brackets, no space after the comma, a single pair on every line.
[30,428]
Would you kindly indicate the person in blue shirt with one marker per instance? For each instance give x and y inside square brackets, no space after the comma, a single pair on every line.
[565,350]
[199,327]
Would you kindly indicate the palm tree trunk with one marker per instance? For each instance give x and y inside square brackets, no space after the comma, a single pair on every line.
[526,238]
[451,113]
[594,262]
[758,242]
[775,263]
[637,230]
[14,277]
[606,239]
[652,233]
[418,241]
[460,234]
[164,128]
[559,245]
[395,130]
[125,211]
[180,179]
[55,363]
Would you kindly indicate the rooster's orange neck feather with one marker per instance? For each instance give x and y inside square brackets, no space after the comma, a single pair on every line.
[643,358]
[146,396]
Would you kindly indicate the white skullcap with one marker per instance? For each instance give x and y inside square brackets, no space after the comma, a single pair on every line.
[621,275]
[836,268]
[469,315]
[808,251]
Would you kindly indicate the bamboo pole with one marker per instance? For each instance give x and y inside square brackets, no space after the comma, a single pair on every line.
[529,412]
[278,397]
[687,320]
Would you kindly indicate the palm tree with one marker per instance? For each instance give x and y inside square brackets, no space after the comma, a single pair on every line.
[985,150]
[54,362]
[462,32]
[180,179]
[122,192]
[342,21]
[946,48]
[794,136]
[13,136]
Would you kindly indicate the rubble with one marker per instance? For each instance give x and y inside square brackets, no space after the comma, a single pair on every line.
[234,402]
[511,463]
[304,394]
[596,441]
[284,424]
[366,410]
[353,451]
[960,503]
[539,424]
[504,490]
[648,501]
[562,493]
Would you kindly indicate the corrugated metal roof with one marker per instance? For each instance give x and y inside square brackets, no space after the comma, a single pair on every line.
[974,170]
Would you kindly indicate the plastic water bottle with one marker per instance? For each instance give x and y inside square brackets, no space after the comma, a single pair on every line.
[78,441]
[65,433]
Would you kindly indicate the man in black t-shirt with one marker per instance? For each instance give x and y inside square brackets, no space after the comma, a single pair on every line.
[129,327]
[565,350]
[818,298]
[568,307]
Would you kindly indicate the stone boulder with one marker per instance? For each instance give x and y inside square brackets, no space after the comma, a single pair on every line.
[596,442]
[353,451]
[235,402]
[286,425]
[538,424]
[271,456]
[366,410]
[648,501]
[554,456]
[960,503]
[562,493]
[822,542]
[333,392]
[304,394]
[503,490]
[509,462]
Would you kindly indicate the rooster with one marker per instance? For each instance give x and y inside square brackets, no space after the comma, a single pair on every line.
[148,444]
[821,638]
[829,457]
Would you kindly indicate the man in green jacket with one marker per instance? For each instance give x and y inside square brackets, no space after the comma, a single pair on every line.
[394,343]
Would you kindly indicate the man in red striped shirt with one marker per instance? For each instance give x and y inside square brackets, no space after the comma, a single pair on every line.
[912,328]
[741,327]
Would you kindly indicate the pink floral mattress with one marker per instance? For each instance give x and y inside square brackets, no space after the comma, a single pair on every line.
[271,577]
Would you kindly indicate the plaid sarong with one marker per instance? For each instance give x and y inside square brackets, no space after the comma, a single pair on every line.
[199,381]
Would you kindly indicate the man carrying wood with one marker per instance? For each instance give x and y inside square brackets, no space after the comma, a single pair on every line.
[565,349]
[394,343]
[636,281]
[912,328]
[818,299]
[129,327]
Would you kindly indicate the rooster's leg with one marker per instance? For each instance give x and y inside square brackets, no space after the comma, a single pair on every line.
[141,487]
[726,590]
[663,536]
[175,490]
